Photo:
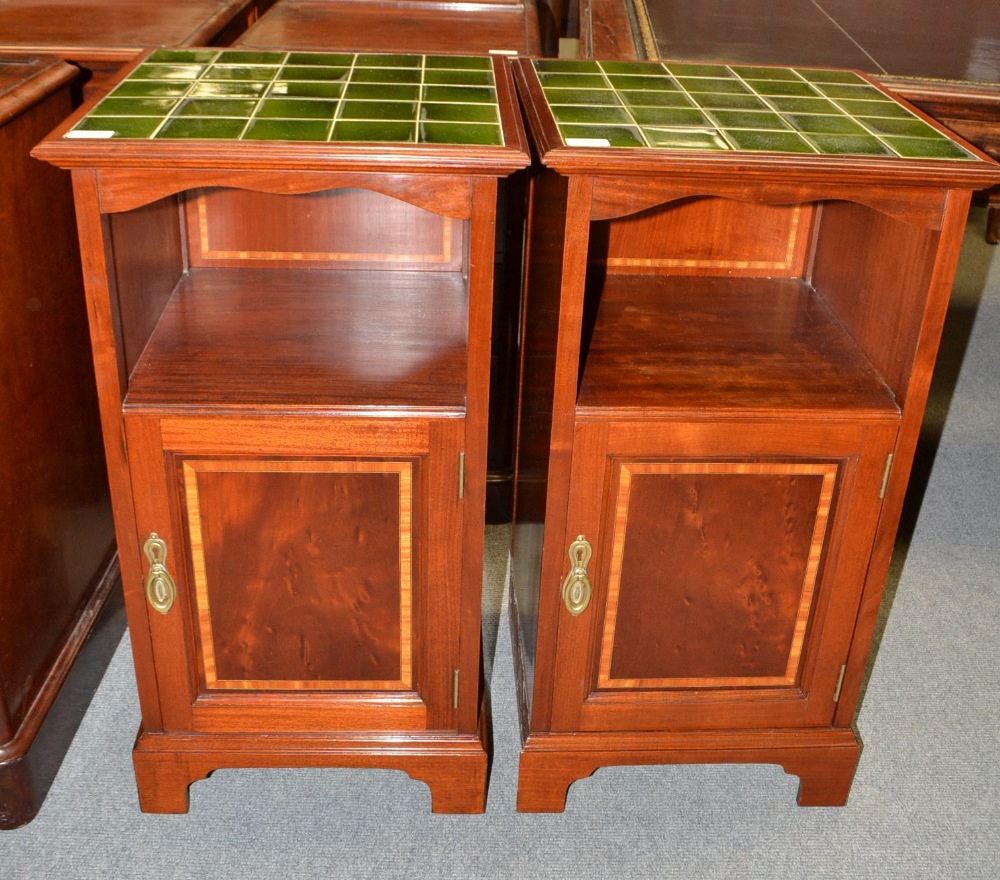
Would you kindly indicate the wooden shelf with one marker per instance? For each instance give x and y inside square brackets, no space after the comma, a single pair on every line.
[267,338]
[715,343]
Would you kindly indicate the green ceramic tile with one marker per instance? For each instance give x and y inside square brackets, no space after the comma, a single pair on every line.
[383,130]
[912,127]
[375,60]
[802,105]
[652,99]
[457,62]
[822,124]
[202,129]
[732,102]
[233,94]
[251,73]
[853,93]
[927,148]
[772,141]
[287,130]
[850,145]
[381,92]
[670,116]
[180,56]
[762,72]
[556,65]
[212,107]
[573,80]
[459,77]
[378,110]
[634,68]
[307,89]
[452,133]
[679,139]
[819,75]
[384,75]
[880,109]
[594,115]
[786,88]
[173,72]
[228,90]
[592,97]
[615,135]
[745,107]
[749,119]
[297,108]
[459,95]
[314,73]
[712,84]
[130,127]
[150,89]
[684,69]
[134,107]
[459,113]
[648,83]
[320,59]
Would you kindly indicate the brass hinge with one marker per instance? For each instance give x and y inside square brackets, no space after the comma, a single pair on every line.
[454,688]
[840,683]
[885,475]
[461,475]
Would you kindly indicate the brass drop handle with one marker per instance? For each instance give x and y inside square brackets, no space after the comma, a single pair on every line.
[160,588]
[576,588]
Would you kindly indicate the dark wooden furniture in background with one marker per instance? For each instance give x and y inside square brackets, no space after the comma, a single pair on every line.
[99,36]
[408,26]
[57,549]
[300,507]
[728,343]
[940,56]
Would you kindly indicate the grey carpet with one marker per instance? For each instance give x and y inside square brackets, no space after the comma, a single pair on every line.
[924,803]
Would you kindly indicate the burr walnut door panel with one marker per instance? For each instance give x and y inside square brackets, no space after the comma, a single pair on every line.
[316,566]
[726,562]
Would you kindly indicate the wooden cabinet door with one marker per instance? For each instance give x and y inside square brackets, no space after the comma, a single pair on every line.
[726,565]
[317,569]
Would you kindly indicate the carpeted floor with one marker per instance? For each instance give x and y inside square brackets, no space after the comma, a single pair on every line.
[924,803]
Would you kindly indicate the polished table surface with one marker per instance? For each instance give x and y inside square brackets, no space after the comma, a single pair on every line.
[925,40]
[111,30]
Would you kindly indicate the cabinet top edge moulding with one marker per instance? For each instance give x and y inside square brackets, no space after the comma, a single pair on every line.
[260,111]
[811,125]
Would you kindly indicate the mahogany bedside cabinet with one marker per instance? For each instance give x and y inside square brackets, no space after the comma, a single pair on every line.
[737,277]
[289,262]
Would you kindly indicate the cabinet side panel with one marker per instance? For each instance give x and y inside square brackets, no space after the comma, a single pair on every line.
[149,261]
[302,571]
[539,327]
[707,236]
[879,293]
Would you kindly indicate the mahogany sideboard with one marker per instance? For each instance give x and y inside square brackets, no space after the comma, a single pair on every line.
[101,35]
[295,412]
[57,547]
[737,278]
[509,26]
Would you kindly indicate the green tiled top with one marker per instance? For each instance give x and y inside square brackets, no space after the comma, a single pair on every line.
[679,106]
[211,94]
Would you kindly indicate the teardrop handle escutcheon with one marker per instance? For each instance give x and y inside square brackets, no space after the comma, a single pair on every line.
[576,589]
[160,588]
